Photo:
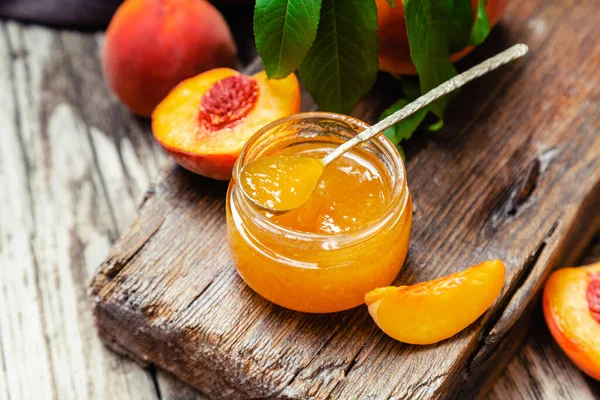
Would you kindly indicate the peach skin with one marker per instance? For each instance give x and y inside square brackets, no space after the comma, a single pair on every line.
[571,305]
[429,312]
[152,45]
[206,120]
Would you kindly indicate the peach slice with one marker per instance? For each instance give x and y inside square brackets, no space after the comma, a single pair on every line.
[431,311]
[571,305]
[206,120]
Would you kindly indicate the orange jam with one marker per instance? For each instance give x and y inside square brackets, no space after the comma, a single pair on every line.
[351,194]
[281,183]
[348,238]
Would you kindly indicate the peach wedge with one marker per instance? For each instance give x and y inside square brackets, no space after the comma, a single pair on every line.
[571,305]
[432,311]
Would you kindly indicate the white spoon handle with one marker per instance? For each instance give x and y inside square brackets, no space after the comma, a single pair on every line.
[508,55]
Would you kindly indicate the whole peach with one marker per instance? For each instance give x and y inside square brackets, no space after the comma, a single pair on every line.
[394,52]
[152,45]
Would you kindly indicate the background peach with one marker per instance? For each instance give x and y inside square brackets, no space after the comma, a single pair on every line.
[152,45]
[394,53]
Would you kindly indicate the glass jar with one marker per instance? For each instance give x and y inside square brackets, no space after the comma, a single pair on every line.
[314,272]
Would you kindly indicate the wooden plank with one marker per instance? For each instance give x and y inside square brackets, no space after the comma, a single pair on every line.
[73,167]
[540,370]
[515,175]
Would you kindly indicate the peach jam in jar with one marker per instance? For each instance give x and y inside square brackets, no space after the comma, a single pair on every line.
[350,237]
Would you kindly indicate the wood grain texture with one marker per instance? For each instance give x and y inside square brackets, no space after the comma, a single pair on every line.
[73,167]
[514,175]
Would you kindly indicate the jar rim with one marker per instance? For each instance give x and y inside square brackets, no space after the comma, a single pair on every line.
[399,196]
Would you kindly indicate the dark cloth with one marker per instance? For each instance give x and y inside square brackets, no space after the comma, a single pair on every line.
[87,14]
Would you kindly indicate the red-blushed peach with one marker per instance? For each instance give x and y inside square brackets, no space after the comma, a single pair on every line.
[152,45]
[206,120]
[394,53]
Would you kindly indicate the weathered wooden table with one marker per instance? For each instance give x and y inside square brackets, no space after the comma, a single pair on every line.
[74,166]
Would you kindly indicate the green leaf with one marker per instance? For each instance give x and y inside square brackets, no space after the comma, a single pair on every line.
[436,126]
[459,16]
[392,3]
[341,65]
[284,30]
[404,129]
[436,28]
[411,88]
[481,27]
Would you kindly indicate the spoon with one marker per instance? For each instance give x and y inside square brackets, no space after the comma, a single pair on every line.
[280,183]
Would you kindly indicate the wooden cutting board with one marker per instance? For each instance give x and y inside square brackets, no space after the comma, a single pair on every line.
[515,175]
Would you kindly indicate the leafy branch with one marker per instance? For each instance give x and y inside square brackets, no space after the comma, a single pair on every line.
[333,44]
[436,29]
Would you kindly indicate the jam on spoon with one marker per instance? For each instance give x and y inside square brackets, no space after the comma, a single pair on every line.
[281,183]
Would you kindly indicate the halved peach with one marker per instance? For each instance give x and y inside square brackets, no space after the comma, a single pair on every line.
[206,120]
[431,311]
[571,305]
